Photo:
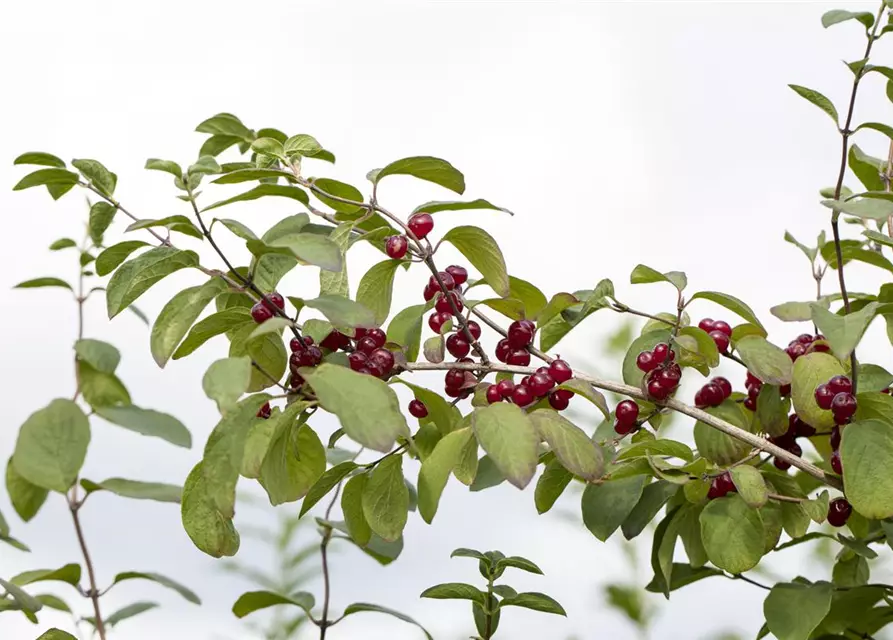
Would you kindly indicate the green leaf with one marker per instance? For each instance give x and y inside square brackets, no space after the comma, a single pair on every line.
[732,533]
[217,144]
[180,224]
[607,505]
[558,303]
[148,423]
[101,216]
[509,437]
[52,445]
[535,601]
[338,190]
[645,275]
[160,579]
[70,574]
[43,282]
[343,312]
[705,348]
[810,371]
[56,634]
[405,329]
[751,486]
[481,250]
[843,332]
[587,391]
[836,16]
[260,191]
[63,243]
[866,454]
[683,575]
[102,356]
[817,99]
[772,411]
[294,462]
[793,610]
[731,303]
[795,311]
[660,447]
[211,326]
[108,260]
[245,175]
[766,361]
[313,249]
[268,352]
[376,288]
[210,531]
[46,177]
[455,591]
[136,489]
[24,600]
[302,145]
[337,283]
[238,229]
[571,445]
[26,498]
[205,165]
[439,410]
[40,158]
[94,171]
[326,482]
[268,146]
[101,389]
[425,168]
[225,124]
[128,612]
[352,508]
[437,206]
[226,380]
[359,607]
[253,601]
[270,326]
[386,499]
[177,317]
[168,166]
[436,469]
[136,276]
[654,497]
[367,407]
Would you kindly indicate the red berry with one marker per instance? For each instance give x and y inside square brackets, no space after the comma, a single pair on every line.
[836,467]
[518,358]
[359,333]
[721,486]
[379,336]
[458,346]
[835,438]
[795,449]
[540,384]
[721,340]
[840,384]
[724,385]
[460,275]
[843,407]
[436,321]
[421,224]
[443,303]
[566,394]
[839,512]
[519,335]
[623,429]
[525,381]
[448,283]
[454,378]
[522,395]
[296,344]
[367,345]
[657,391]
[822,347]
[384,358]
[803,430]
[314,355]
[333,341]
[505,388]
[750,403]
[824,396]
[752,380]
[277,299]
[560,371]
[660,352]
[670,376]
[265,411]
[781,465]
[710,395]
[723,327]
[493,394]
[531,326]
[805,338]
[396,247]
[707,324]
[430,292]
[295,381]
[646,362]
[753,391]
[375,368]
[454,392]
[626,412]
[357,360]
[795,350]
[417,409]
[558,402]
[261,313]
[474,329]
[503,349]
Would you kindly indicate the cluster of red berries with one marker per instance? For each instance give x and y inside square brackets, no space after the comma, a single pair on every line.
[713,393]
[369,355]
[788,440]
[263,310]
[420,224]
[837,395]
[806,343]
[513,348]
[719,330]
[662,374]
[626,415]
[537,385]
[721,486]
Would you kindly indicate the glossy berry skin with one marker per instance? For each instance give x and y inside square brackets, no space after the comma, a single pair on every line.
[454,378]
[657,391]
[560,371]
[824,396]
[519,335]
[840,384]
[384,358]
[645,362]
[839,512]
[396,247]
[448,283]
[375,368]
[437,320]
[522,395]
[334,341]
[493,394]
[753,391]
[724,385]
[843,407]
[707,324]
[721,340]
[367,345]
[443,303]
[660,352]
[430,292]
[820,347]
[540,384]
[723,327]
[752,380]
[474,329]
[566,394]
[795,350]
[357,360]
[359,333]
[265,411]
[421,224]
[836,467]
[622,429]
[454,392]
[505,388]
[835,438]
[710,395]
[750,403]
[670,376]
[458,346]
[417,409]
[805,338]
[460,275]
[721,486]
[518,358]
[314,355]
[261,313]
[626,412]
[297,344]
[277,299]
[503,349]
[558,402]
[379,336]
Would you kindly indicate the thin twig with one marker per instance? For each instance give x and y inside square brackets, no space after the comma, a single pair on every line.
[781,498]
[93,593]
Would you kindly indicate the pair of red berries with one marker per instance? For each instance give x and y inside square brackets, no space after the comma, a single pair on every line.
[537,385]
[263,311]
[513,348]
[626,415]
[451,277]
[459,383]
[837,395]
[719,330]
[713,393]
[663,375]
[370,356]
[420,224]
[836,464]
[806,343]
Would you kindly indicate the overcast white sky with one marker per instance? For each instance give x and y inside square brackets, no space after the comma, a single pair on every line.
[620,133]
